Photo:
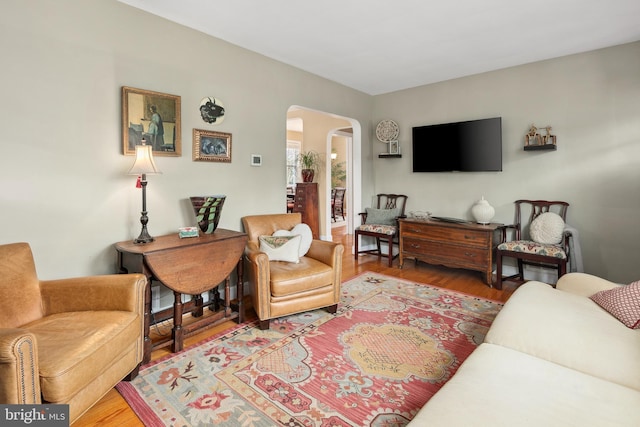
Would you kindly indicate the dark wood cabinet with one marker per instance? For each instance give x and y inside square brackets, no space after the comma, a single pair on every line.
[457,245]
[306,202]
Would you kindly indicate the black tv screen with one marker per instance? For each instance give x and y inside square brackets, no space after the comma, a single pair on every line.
[471,146]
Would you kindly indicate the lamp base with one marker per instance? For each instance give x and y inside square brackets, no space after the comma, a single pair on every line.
[144,236]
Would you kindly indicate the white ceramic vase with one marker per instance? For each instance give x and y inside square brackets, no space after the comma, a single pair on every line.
[482,211]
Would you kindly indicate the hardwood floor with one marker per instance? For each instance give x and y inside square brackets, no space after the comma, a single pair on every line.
[112,409]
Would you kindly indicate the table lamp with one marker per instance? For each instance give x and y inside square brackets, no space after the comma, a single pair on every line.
[144,165]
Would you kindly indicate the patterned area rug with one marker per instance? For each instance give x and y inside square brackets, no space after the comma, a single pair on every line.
[391,345]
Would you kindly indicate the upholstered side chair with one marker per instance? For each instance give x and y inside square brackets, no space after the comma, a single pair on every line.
[66,341]
[381,223]
[280,288]
[538,237]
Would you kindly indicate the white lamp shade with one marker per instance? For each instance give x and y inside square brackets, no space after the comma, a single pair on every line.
[144,163]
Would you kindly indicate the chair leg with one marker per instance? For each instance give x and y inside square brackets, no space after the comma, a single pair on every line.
[498,270]
[264,324]
[378,246]
[333,309]
[355,248]
[521,268]
[390,243]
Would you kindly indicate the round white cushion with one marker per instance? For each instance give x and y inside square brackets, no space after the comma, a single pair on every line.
[547,228]
[304,231]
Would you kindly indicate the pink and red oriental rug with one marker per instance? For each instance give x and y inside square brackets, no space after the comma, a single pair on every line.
[391,345]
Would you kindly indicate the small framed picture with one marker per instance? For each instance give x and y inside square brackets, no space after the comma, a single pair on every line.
[393,147]
[210,146]
[256,160]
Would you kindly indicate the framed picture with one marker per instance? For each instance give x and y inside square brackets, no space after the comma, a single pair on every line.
[152,116]
[393,147]
[210,146]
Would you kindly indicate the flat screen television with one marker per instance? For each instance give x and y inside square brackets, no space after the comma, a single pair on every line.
[471,146]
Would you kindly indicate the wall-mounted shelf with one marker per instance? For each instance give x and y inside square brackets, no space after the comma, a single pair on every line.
[540,147]
[388,156]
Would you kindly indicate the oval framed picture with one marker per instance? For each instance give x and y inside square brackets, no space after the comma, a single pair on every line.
[212,110]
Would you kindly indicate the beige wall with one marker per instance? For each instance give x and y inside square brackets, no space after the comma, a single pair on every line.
[592,102]
[62,172]
[63,175]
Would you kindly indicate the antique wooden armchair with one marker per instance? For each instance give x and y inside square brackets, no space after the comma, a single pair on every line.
[382,224]
[541,241]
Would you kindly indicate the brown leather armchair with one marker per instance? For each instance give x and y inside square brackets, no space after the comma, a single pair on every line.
[281,288]
[66,341]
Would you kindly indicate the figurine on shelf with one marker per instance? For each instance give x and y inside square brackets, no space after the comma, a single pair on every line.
[533,137]
[548,138]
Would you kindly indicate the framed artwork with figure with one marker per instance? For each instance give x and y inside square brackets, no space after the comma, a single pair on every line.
[153,117]
[209,146]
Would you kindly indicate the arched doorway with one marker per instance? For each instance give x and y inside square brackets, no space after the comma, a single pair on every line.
[315,130]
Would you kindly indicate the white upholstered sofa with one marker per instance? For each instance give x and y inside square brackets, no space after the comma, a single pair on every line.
[552,357]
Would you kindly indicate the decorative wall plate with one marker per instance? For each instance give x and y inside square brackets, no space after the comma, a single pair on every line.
[212,110]
[387,130]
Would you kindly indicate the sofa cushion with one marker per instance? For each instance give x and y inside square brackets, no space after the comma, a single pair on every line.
[570,330]
[531,247]
[498,386]
[281,248]
[74,348]
[623,303]
[294,279]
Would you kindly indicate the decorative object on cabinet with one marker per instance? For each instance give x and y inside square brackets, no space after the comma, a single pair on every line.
[534,141]
[381,223]
[482,211]
[153,116]
[208,210]
[212,110]
[209,146]
[387,132]
[538,248]
[142,166]
[310,162]
[306,203]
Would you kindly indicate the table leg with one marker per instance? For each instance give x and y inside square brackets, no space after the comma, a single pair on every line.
[177,332]
[240,290]
[147,344]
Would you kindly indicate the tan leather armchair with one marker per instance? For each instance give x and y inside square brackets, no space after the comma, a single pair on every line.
[281,288]
[66,341]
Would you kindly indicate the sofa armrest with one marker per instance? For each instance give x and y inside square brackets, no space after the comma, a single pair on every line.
[123,292]
[19,367]
[329,253]
[583,284]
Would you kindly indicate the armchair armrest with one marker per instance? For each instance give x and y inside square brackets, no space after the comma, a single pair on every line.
[583,284]
[19,367]
[329,253]
[123,292]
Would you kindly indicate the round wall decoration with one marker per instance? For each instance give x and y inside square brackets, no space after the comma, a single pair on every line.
[212,110]
[387,131]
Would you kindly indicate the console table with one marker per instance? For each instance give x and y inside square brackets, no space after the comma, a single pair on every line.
[186,266]
[458,245]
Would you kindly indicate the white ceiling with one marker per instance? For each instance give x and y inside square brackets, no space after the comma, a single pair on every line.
[380,46]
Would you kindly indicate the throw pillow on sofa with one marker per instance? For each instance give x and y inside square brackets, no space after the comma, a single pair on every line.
[547,228]
[281,248]
[622,302]
[306,236]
